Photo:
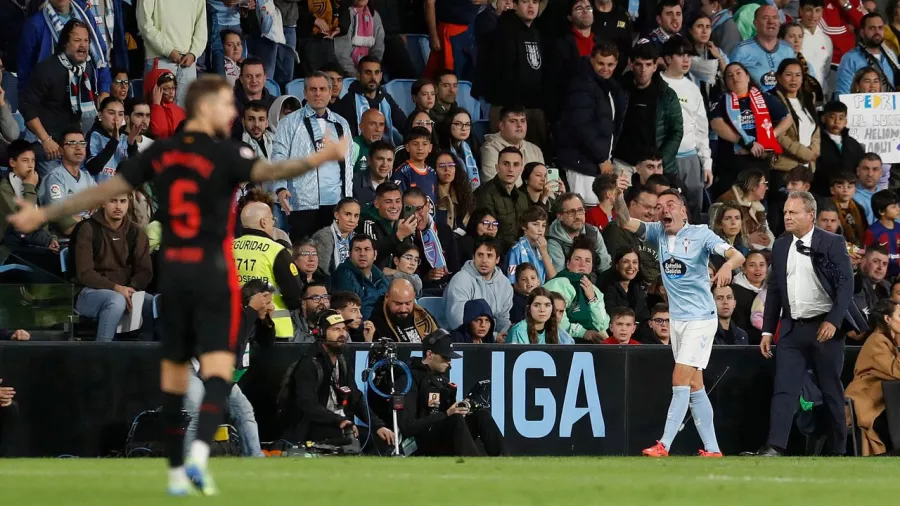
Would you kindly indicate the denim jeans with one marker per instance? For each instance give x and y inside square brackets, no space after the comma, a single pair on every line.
[107,307]
[241,411]
[184,76]
[286,59]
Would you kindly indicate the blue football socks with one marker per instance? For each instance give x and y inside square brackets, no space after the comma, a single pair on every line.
[681,398]
[702,411]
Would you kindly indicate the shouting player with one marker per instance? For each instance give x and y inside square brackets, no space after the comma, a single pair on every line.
[194,174]
[683,257]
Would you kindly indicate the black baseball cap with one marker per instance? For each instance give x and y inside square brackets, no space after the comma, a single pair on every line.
[439,342]
[330,318]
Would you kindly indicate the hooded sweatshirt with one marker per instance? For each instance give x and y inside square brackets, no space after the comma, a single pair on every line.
[474,309]
[164,118]
[113,263]
[468,284]
[275,115]
[516,73]
[559,244]
[382,231]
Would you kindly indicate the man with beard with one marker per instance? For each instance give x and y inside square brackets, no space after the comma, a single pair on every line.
[480,278]
[364,94]
[398,317]
[869,53]
[256,129]
[570,224]
[315,300]
[112,261]
[377,168]
[251,87]
[358,274]
[137,121]
[320,396]
[371,130]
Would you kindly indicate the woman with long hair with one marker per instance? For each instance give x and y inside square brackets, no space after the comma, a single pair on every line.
[623,285]
[540,325]
[726,220]
[748,192]
[878,361]
[743,120]
[708,65]
[423,94]
[801,142]
[455,134]
[540,192]
[481,223]
[793,33]
[866,80]
[455,200]
[747,285]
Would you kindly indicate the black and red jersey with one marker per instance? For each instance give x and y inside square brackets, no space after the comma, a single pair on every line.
[194,177]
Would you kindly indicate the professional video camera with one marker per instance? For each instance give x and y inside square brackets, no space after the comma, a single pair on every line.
[479,396]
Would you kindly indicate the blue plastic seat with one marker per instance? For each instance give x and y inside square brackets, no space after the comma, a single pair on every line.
[137,87]
[273,88]
[435,306]
[401,91]
[465,100]
[480,129]
[296,88]
[20,120]
[11,87]
[346,87]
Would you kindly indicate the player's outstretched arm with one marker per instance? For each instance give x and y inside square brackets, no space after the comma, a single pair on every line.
[623,218]
[30,217]
[332,151]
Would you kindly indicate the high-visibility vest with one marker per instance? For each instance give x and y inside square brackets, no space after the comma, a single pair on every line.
[255,256]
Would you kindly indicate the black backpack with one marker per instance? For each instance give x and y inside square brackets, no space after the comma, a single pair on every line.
[131,236]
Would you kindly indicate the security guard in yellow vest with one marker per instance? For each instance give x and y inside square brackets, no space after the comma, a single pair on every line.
[259,257]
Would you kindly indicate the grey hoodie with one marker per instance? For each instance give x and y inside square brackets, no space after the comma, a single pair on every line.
[468,284]
[559,244]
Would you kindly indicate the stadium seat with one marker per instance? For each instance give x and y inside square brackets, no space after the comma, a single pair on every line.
[465,100]
[295,88]
[480,129]
[419,51]
[435,306]
[273,88]
[401,91]
[137,87]
[11,87]
[347,82]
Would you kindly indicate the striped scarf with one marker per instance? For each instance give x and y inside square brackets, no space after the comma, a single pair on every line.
[362,105]
[469,161]
[81,95]
[105,18]
[98,57]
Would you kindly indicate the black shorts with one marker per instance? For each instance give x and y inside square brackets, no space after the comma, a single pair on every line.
[198,321]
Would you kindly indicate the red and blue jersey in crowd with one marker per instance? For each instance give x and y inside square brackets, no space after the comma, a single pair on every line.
[889,239]
[408,176]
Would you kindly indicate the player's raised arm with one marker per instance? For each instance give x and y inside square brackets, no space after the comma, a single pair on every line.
[332,151]
[30,217]
[734,260]
[623,218]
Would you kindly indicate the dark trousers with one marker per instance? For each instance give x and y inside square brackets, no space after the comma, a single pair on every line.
[455,436]
[796,352]
[306,223]
[9,420]
[397,63]
[314,53]
[776,198]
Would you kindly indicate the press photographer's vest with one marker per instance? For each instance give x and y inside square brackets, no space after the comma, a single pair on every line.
[255,255]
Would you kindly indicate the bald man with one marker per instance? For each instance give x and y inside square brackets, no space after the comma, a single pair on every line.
[371,129]
[763,53]
[399,318]
[258,256]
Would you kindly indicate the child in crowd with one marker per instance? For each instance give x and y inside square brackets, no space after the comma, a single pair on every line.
[415,171]
[406,262]
[532,247]
[478,324]
[539,326]
[853,218]
[602,214]
[798,179]
[839,151]
[884,231]
[526,280]
[350,306]
[622,327]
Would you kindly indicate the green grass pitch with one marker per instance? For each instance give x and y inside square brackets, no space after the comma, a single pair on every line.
[422,481]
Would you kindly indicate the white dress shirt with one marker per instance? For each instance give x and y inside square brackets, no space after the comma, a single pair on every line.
[817,49]
[806,295]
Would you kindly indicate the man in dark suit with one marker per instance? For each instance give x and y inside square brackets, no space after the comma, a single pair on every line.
[811,288]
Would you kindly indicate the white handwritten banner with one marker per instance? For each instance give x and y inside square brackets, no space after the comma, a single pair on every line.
[874,121]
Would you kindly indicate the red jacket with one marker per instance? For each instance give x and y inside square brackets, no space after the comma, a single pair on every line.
[164,118]
[840,25]
[612,340]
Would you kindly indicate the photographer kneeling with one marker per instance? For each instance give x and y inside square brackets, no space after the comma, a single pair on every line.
[440,425]
[319,397]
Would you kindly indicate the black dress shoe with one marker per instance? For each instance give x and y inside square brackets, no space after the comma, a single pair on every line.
[765,451]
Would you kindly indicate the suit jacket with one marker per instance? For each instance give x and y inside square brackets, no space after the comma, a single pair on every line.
[832,267]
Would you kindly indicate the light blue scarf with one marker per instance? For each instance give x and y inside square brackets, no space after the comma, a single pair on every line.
[362,105]
[98,56]
[471,165]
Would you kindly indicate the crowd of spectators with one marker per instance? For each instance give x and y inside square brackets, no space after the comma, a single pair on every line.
[732,103]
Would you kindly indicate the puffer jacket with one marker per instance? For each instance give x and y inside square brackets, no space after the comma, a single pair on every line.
[669,124]
[164,118]
[292,141]
[507,207]
[348,277]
